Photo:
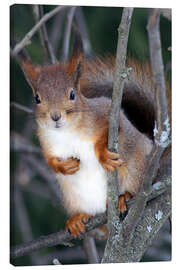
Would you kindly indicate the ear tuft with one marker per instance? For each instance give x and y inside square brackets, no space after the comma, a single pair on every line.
[31,73]
[75,65]
[77,73]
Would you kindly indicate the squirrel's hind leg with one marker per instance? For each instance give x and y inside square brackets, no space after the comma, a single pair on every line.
[76,224]
[123,198]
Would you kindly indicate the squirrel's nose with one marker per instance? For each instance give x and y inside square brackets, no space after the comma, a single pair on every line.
[55,117]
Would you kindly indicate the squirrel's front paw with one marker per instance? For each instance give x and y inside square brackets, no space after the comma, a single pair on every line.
[64,166]
[110,161]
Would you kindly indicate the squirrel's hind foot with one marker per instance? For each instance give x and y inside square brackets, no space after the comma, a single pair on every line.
[76,224]
[123,198]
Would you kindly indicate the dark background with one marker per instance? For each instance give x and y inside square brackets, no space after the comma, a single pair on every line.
[35,213]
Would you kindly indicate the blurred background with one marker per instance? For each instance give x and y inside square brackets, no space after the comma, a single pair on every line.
[35,200]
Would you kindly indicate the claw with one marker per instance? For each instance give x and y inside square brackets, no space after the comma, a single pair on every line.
[112,161]
[76,224]
[123,198]
[67,166]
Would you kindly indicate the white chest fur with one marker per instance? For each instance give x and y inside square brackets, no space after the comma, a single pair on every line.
[86,190]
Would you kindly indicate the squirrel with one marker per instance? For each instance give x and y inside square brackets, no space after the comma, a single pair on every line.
[72,126]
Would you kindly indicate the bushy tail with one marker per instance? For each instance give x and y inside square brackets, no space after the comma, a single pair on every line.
[138,94]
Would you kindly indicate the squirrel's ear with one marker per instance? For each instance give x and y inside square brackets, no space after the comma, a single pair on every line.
[75,65]
[31,72]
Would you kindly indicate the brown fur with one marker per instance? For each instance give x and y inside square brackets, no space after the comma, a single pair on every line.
[76,224]
[122,202]
[68,166]
[89,119]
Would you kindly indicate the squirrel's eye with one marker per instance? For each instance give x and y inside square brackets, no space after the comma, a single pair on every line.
[72,95]
[37,98]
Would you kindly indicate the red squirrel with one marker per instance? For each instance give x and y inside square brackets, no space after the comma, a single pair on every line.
[73,133]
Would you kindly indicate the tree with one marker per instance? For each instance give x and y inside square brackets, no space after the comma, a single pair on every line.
[151,207]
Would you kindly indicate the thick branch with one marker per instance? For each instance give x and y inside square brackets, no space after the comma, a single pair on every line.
[161,133]
[29,35]
[123,243]
[155,215]
[62,237]
[120,75]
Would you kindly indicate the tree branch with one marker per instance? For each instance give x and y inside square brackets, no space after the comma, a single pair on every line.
[79,17]
[46,39]
[20,144]
[56,32]
[45,43]
[155,215]
[162,129]
[56,262]
[36,14]
[23,219]
[90,249]
[21,107]
[123,243]
[66,41]
[29,35]
[64,238]
[120,75]
[166,12]
[40,167]
[161,134]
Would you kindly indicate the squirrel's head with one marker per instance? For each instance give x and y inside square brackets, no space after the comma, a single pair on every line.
[56,90]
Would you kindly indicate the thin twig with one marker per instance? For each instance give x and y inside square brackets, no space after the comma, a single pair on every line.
[66,41]
[23,220]
[29,35]
[162,130]
[17,203]
[21,107]
[166,12]
[74,253]
[56,30]
[37,17]
[40,167]
[20,144]
[90,249]
[79,17]
[47,43]
[56,261]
